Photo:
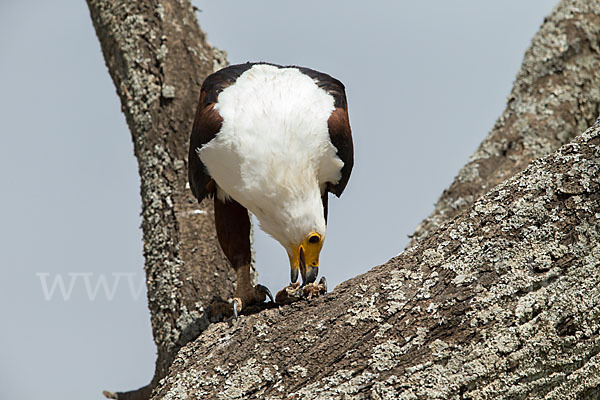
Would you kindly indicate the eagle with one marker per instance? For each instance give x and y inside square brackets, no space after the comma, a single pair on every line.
[274,141]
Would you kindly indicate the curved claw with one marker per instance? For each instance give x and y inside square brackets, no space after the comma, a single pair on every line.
[265,290]
[234,303]
[323,282]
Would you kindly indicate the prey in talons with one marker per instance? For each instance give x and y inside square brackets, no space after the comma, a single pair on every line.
[295,292]
[315,289]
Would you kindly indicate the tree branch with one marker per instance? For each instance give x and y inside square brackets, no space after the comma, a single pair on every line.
[503,302]
[556,96]
[158,57]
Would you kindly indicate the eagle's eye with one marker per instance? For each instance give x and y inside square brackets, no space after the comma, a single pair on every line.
[314,239]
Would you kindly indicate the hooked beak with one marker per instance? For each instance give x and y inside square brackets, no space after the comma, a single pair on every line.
[305,258]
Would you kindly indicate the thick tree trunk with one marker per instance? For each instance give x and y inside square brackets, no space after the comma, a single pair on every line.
[158,57]
[503,302]
[498,303]
[555,97]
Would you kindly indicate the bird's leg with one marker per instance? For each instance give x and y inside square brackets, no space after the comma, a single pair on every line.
[246,293]
[232,223]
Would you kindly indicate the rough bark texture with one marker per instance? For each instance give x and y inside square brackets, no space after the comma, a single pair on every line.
[503,302]
[158,57]
[555,97]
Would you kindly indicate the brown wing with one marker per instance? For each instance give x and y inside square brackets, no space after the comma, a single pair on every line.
[206,126]
[341,137]
[339,125]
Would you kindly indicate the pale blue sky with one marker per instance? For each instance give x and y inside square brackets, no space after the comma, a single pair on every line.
[425,82]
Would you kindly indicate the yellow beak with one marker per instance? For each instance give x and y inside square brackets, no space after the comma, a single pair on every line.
[304,257]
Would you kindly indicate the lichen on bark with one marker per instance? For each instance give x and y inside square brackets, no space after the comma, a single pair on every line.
[503,302]
[556,95]
[158,57]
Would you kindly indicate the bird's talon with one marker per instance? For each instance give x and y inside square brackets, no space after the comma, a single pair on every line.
[234,303]
[265,290]
[323,284]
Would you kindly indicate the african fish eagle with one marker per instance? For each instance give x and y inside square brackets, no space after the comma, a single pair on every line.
[273,140]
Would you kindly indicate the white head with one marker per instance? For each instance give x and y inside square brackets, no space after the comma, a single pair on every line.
[295,218]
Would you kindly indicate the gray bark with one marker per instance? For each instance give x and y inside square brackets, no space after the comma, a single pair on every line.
[555,97]
[503,302]
[158,57]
